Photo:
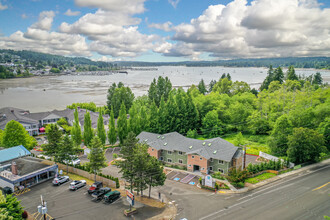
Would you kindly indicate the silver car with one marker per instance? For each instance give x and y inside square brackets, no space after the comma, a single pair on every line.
[76,184]
[60,179]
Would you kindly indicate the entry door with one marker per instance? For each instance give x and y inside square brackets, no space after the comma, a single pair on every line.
[196,168]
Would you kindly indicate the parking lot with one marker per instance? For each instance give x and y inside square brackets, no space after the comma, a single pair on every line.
[183,177]
[65,204]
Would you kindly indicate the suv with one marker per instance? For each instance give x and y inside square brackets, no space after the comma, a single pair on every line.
[74,185]
[111,196]
[60,179]
[95,187]
[99,194]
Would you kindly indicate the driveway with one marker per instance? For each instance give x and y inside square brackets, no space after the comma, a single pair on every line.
[65,204]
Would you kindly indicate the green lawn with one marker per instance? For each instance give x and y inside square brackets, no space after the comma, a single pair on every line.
[260,178]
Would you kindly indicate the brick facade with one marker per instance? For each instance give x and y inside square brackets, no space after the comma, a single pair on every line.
[153,152]
[197,161]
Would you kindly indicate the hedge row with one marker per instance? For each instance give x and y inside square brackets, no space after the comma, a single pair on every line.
[270,165]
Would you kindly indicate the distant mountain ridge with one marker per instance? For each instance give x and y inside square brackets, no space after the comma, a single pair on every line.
[297,62]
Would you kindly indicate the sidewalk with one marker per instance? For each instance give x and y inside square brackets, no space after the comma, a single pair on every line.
[274,179]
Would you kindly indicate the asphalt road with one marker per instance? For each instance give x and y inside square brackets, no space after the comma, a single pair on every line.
[65,204]
[295,197]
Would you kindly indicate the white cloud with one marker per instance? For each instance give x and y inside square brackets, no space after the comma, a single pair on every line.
[38,37]
[174,3]
[112,31]
[3,7]
[45,20]
[124,6]
[167,26]
[72,13]
[264,28]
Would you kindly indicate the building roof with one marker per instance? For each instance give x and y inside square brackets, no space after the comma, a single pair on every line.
[216,148]
[13,153]
[9,113]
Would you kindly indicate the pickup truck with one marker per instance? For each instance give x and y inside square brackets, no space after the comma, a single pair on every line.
[95,187]
[100,193]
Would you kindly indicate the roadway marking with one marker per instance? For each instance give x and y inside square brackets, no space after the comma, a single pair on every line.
[213,215]
[321,186]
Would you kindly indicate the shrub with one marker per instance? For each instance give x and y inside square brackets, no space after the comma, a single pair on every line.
[115,156]
[237,175]
[217,175]
[238,185]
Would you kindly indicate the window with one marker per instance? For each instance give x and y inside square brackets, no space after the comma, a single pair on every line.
[161,158]
[220,170]
[180,152]
[169,152]
[221,161]
[152,149]
[201,158]
[202,168]
[169,160]
[180,161]
[161,151]
[210,168]
[189,165]
[211,159]
[192,157]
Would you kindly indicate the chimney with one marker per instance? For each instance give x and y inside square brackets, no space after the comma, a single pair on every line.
[14,168]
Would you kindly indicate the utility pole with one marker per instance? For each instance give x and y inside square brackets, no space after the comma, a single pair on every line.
[244,156]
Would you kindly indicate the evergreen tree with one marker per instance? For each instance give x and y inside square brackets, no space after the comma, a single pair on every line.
[162,118]
[291,74]
[192,114]
[202,87]
[269,78]
[88,130]
[134,120]
[278,75]
[76,130]
[279,135]
[54,136]
[10,208]
[100,129]
[162,87]
[122,124]
[67,152]
[172,113]
[155,175]
[212,83]
[182,122]
[317,79]
[144,122]
[153,118]
[192,133]
[112,136]
[96,156]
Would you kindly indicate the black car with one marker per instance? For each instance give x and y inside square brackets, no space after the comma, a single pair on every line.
[95,187]
[111,196]
[100,193]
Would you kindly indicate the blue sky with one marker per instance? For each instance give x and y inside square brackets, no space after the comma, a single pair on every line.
[167,30]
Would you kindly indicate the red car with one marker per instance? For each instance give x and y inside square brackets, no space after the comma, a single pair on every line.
[95,187]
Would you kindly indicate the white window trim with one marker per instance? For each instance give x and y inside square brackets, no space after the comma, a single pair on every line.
[211,159]
[181,161]
[221,170]
[193,157]
[211,168]
[201,158]
[161,158]
[169,152]
[180,152]
[169,161]
[220,162]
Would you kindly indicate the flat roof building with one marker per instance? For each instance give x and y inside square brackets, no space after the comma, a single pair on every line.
[18,171]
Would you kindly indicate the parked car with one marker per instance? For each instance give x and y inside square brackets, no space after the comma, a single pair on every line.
[76,184]
[60,179]
[95,187]
[111,196]
[72,162]
[100,193]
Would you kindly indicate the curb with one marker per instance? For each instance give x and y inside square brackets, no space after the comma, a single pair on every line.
[281,176]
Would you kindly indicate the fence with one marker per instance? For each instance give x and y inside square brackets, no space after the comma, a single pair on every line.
[106,181]
[270,157]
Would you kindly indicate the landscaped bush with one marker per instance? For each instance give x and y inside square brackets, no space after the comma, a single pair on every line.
[238,185]
[218,175]
[115,156]
[270,165]
[224,186]
[209,188]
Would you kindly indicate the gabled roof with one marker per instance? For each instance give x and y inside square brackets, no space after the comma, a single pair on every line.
[13,153]
[216,148]
[9,113]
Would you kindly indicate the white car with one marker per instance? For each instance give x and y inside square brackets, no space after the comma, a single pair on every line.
[44,156]
[76,184]
[73,162]
[60,179]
